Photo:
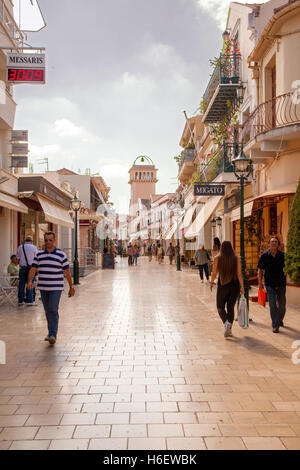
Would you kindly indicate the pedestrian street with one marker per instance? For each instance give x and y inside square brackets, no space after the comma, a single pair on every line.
[141,362]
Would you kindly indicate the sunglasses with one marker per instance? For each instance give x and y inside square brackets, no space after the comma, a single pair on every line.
[48,239]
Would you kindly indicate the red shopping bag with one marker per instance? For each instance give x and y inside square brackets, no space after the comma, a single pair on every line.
[262,296]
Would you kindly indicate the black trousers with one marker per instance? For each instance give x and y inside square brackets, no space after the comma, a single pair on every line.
[226,299]
[205,267]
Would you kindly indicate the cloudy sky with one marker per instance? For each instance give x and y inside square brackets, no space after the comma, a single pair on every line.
[119,76]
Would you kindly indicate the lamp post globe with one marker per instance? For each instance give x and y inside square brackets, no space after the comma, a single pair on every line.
[75,206]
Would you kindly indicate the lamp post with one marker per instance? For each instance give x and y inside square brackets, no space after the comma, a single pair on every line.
[75,206]
[242,167]
[178,242]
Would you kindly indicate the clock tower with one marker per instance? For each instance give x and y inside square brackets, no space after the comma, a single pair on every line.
[142,179]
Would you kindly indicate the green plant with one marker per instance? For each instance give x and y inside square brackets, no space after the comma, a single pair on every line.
[292,257]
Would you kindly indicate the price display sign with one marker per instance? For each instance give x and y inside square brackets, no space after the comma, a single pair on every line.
[26,68]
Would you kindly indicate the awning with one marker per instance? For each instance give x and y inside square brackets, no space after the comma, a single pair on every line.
[203,217]
[12,203]
[172,230]
[236,213]
[288,189]
[54,213]
[187,218]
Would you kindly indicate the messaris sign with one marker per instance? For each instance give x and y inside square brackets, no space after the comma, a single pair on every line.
[25,68]
[208,189]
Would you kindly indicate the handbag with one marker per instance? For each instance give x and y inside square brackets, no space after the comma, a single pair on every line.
[262,297]
[243,314]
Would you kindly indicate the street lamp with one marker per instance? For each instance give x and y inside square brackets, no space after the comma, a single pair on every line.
[178,242]
[75,206]
[213,223]
[219,221]
[242,167]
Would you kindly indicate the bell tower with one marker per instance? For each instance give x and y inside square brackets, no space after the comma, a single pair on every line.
[142,179]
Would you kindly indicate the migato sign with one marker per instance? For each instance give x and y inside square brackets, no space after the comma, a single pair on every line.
[209,189]
[26,68]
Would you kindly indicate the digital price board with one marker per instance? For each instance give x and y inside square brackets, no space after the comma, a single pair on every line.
[26,68]
[25,75]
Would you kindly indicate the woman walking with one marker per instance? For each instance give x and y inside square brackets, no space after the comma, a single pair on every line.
[130,254]
[202,259]
[160,253]
[230,284]
[216,247]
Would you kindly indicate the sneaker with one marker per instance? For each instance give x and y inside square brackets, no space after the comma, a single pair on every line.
[32,304]
[230,329]
[47,338]
[52,340]
[275,330]
[21,303]
[227,327]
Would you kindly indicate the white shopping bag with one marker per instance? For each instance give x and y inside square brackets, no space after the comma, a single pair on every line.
[243,314]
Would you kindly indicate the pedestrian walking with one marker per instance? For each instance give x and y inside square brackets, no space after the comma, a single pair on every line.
[216,247]
[149,251]
[130,254]
[160,253]
[136,254]
[171,252]
[154,250]
[270,267]
[52,265]
[202,259]
[26,254]
[230,283]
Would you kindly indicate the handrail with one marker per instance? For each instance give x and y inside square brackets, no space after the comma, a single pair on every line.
[10,25]
[275,113]
[226,72]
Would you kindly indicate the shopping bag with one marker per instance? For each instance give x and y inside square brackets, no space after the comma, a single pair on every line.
[243,314]
[262,296]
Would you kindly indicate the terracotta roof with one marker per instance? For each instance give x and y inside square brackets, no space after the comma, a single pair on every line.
[65,171]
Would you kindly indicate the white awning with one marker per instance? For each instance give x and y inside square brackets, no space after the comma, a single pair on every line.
[54,213]
[248,206]
[203,217]
[287,189]
[187,218]
[173,229]
[12,203]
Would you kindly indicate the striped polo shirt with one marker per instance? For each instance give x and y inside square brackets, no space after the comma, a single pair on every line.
[51,267]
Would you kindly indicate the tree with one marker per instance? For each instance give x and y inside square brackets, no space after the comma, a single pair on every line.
[292,257]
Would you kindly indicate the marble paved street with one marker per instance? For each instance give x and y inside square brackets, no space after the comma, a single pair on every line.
[141,363]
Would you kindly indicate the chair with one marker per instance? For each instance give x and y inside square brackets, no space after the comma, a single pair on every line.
[8,291]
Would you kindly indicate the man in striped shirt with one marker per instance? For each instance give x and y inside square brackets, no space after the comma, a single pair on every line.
[52,265]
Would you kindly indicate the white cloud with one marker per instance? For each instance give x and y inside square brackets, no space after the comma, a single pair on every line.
[66,128]
[114,171]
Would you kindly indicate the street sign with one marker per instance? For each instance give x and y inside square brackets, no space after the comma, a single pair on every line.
[26,68]
[207,189]
[19,162]
[19,148]
[19,136]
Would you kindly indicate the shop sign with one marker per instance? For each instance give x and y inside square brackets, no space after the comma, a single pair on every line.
[19,136]
[19,148]
[209,189]
[25,68]
[19,162]
[231,202]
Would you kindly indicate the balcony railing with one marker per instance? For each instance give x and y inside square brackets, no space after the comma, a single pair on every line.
[10,25]
[188,156]
[281,111]
[220,162]
[227,72]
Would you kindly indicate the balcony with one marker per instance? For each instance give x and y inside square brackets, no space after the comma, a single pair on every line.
[186,165]
[10,26]
[269,128]
[222,88]
[219,167]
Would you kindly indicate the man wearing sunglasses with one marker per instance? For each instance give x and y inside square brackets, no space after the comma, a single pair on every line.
[52,265]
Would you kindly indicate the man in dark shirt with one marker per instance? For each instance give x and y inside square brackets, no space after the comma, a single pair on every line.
[271,265]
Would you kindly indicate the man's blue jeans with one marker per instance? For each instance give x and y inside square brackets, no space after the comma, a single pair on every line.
[50,301]
[23,278]
[277,302]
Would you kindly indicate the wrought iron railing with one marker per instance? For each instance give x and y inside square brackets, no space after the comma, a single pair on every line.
[10,25]
[188,156]
[280,111]
[226,72]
